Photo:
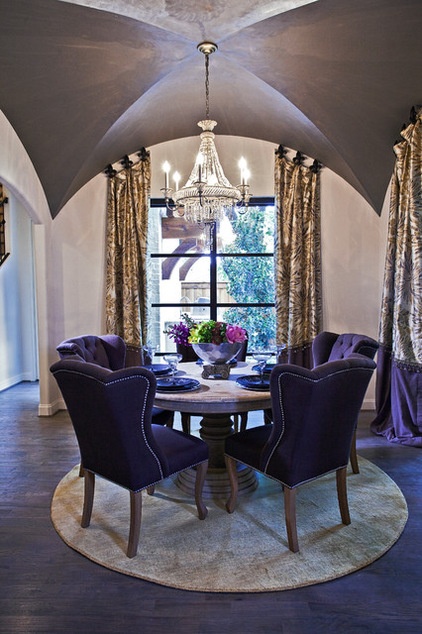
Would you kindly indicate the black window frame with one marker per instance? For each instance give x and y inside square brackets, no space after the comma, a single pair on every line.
[213,255]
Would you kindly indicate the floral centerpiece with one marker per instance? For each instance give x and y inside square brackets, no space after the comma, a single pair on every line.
[216,332]
[215,342]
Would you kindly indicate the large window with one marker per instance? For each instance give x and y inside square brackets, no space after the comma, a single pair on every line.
[232,279]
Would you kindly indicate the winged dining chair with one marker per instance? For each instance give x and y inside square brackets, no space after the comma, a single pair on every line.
[314,415]
[111,413]
[108,351]
[330,346]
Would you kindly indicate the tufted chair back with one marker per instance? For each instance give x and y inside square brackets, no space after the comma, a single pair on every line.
[108,351]
[111,414]
[330,346]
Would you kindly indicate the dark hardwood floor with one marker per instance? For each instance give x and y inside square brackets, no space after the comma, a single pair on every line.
[47,587]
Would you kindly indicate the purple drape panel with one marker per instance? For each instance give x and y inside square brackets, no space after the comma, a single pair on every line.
[399,402]
[399,363]
[299,356]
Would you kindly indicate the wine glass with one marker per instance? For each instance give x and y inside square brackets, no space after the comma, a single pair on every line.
[149,351]
[261,357]
[281,348]
[173,360]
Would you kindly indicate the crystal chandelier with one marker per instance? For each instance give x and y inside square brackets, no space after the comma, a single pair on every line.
[207,194]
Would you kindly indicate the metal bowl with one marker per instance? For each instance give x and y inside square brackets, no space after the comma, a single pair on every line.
[214,354]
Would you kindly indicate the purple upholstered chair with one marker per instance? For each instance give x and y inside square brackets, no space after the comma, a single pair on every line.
[111,412]
[314,416]
[330,346]
[108,351]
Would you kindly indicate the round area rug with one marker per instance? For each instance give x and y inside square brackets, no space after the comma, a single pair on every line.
[243,552]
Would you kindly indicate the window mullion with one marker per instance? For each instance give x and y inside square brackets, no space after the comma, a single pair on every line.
[213,275]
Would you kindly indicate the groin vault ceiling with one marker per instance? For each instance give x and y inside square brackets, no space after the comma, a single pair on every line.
[85,82]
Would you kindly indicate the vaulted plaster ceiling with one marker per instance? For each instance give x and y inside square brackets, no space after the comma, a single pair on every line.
[85,82]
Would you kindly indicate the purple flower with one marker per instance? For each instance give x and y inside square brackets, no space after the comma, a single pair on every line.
[179,333]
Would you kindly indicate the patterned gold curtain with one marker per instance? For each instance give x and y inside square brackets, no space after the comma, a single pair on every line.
[399,362]
[297,256]
[127,231]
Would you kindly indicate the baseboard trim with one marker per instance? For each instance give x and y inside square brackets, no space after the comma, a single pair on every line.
[49,409]
[15,380]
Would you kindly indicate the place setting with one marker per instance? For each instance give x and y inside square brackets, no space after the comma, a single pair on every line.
[159,369]
[172,383]
[260,381]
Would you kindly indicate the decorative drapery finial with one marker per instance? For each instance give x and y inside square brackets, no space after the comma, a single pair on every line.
[110,171]
[143,154]
[280,151]
[126,162]
[299,158]
[316,166]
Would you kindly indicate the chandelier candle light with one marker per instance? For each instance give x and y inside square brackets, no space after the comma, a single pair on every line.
[207,194]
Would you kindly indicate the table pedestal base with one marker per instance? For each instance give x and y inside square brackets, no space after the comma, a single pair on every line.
[214,430]
[217,483]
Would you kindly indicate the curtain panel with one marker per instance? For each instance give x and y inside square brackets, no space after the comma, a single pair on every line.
[297,257]
[127,236]
[399,362]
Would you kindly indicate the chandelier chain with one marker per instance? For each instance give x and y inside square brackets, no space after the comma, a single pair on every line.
[207,87]
[207,195]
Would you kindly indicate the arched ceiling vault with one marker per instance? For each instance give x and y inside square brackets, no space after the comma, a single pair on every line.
[83,83]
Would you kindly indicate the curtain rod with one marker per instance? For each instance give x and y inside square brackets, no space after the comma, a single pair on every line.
[127,163]
[299,158]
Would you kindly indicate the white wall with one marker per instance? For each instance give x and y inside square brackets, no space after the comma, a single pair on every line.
[71,262]
[18,332]
[353,244]
[75,266]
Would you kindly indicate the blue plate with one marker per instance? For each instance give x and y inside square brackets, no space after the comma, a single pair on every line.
[159,369]
[178,385]
[253,382]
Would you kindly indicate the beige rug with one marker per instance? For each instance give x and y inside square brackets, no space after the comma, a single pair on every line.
[243,552]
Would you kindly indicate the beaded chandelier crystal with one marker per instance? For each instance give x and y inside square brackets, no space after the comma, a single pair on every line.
[207,194]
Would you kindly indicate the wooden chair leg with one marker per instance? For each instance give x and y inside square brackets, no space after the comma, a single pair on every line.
[151,489]
[243,420]
[353,455]
[234,484]
[89,488]
[185,422]
[290,513]
[201,472]
[81,470]
[342,495]
[236,423]
[135,523]
[268,416]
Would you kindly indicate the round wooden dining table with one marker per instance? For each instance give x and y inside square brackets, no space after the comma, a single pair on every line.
[216,401]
